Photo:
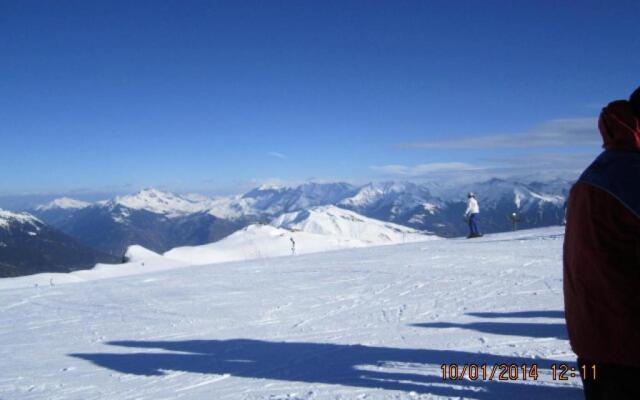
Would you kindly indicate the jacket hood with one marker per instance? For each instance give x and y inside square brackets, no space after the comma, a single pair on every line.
[619,126]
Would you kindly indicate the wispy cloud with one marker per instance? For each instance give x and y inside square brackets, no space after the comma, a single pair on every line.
[424,169]
[546,161]
[527,166]
[554,133]
[276,155]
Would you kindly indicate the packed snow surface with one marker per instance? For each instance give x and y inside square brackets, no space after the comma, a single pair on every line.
[369,323]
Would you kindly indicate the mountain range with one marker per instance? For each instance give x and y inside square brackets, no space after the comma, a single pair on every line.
[440,208]
[160,221]
[156,220]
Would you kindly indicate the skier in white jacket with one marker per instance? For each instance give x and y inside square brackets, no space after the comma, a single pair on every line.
[471,215]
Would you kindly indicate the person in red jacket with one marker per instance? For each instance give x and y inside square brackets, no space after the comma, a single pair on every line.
[602,259]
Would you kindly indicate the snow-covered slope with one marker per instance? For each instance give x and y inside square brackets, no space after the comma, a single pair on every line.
[9,218]
[340,223]
[257,242]
[318,229]
[138,261]
[64,203]
[371,323]
[137,253]
[260,242]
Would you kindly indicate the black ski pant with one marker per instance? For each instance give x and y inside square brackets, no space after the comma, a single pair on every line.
[612,382]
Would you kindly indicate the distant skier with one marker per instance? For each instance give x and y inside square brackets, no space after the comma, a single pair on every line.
[293,246]
[515,218]
[471,215]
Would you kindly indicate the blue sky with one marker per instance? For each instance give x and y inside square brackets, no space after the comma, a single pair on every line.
[218,96]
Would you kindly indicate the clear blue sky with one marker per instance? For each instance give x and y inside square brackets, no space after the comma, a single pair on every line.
[219,95]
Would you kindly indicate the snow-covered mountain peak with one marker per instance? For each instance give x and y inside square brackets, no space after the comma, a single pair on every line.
[233,207]
[388,192]
[160,202]
[271,186]
[266,190]
[273,200]
[523,196]
[391,200]
[8,218]
[64,203]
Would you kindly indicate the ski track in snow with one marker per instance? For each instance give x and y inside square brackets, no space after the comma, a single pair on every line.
[373,323]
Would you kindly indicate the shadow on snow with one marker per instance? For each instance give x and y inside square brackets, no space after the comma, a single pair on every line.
[324,363]
[529,329]
[534,330]
[520,314]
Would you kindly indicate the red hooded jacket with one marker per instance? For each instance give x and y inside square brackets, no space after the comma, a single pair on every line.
[602,246]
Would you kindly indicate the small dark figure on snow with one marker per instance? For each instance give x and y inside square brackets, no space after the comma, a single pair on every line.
[602,259]
[293,246]
[471,215]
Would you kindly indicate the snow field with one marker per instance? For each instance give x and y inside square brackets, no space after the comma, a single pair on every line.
[370,323]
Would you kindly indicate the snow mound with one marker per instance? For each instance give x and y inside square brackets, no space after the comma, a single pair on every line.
[64,203]
[347,225]
[139,253]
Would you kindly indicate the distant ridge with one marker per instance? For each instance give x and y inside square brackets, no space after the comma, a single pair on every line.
[28,246]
